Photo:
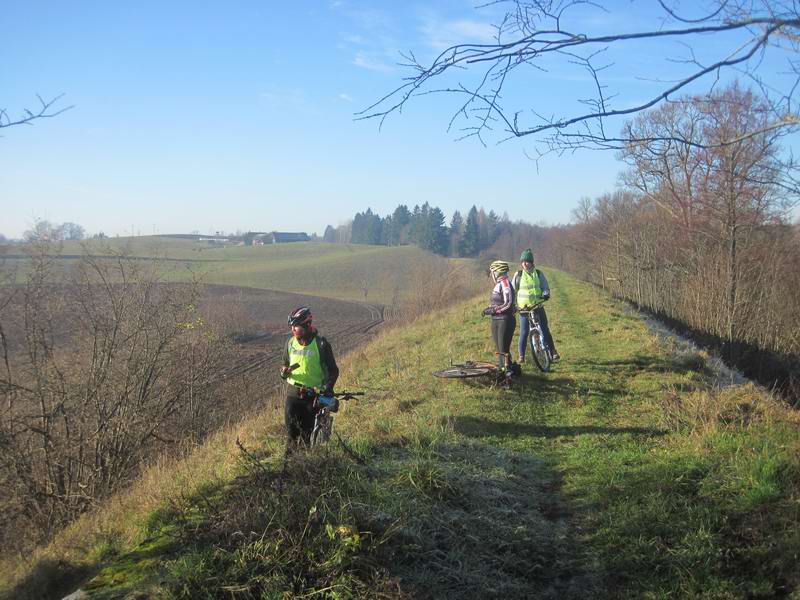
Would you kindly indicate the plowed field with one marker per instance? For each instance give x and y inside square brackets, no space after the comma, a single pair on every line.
[344,324]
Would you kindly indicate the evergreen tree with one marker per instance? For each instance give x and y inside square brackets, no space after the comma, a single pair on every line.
[415,225]
[437,231]
[454,235]
[398,231]
[357,233]
[367,228]
[386,229]
[470,240]
[329,235]
[457,224]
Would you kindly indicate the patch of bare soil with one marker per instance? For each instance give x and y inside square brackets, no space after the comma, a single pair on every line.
[258,321]
[255,319]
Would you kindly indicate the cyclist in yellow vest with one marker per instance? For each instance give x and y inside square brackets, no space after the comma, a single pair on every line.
[531,288]
[309,369]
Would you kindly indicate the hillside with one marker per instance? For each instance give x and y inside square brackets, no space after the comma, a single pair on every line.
[334,270]
[622,473]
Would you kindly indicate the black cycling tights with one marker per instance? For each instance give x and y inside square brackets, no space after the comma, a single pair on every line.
[299,414]
[502,333]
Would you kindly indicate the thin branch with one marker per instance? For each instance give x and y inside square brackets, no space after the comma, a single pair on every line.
[46,110]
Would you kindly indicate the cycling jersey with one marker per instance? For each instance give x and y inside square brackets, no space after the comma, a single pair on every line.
[502,298]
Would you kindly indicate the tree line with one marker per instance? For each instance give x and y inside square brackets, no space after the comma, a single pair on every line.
[699,232]
[425,227]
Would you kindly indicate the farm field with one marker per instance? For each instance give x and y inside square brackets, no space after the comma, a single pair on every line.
[374,274]
[263,312]
[256,319]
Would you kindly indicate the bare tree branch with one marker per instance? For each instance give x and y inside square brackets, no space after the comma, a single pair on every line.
[534,30]
[47,109]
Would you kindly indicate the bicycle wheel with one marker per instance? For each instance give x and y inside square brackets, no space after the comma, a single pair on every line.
[541,355]
[322,431]
[469,369]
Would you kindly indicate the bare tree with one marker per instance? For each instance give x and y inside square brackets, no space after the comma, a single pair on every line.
[101,368]
[73,231]
[536,37]
[46,109]
[43,231]
[721,193]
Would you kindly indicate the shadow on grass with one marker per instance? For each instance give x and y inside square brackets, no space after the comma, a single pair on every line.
[636,364]
[551,388]
[49,579]
[434,520]
[549,385]
[476,427]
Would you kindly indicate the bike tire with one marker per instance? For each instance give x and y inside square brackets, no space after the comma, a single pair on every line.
[541,355]
[463,371]
[321,434]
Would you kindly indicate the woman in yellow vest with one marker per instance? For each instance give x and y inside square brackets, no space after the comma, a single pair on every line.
[531,289]
[313,371]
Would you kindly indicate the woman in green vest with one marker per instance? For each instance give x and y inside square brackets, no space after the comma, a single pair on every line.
[313,372]
[531,288]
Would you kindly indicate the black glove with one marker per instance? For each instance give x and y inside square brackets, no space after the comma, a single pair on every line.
[488,311]
[326,391]
[545,295]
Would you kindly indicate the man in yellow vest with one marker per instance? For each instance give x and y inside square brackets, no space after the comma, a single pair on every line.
[531,288]
[310,370]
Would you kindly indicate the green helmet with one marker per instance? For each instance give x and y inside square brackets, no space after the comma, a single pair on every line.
[527,255]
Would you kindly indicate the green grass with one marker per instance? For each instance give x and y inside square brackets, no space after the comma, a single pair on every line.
[332,270]
[620,474]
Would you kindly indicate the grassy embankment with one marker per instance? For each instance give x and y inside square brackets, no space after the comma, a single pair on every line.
[316,268]
[617,475]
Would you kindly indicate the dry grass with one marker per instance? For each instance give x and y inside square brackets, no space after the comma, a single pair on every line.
[711,410]
[119,522]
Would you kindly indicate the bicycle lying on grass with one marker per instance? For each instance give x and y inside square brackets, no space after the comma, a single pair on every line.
[542,353]
[471,368]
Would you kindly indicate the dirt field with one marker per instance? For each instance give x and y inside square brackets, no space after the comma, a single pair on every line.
[254,318]
[264,314]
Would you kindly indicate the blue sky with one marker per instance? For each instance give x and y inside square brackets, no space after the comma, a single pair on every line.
[239,115]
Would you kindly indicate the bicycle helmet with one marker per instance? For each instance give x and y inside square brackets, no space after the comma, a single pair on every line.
[499,267]
[300,316]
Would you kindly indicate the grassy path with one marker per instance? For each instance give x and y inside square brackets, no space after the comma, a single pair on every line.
[620,474]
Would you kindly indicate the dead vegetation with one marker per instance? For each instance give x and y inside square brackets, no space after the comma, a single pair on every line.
[102,370]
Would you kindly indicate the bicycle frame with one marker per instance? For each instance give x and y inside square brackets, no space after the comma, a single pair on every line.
[323,419]
[542,353]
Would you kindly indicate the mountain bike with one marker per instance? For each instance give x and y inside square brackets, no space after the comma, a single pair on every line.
[471,368]
[542,353]
[323,419]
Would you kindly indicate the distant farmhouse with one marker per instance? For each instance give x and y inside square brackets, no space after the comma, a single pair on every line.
[260,238]
[215,240]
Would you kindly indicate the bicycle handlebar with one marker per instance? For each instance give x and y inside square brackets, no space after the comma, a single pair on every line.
[315,393]
[530,309]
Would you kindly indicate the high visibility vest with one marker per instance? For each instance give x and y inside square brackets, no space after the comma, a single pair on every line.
[530,290]
[309,373]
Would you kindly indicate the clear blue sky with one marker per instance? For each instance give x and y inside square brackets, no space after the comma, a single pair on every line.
[239,115]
